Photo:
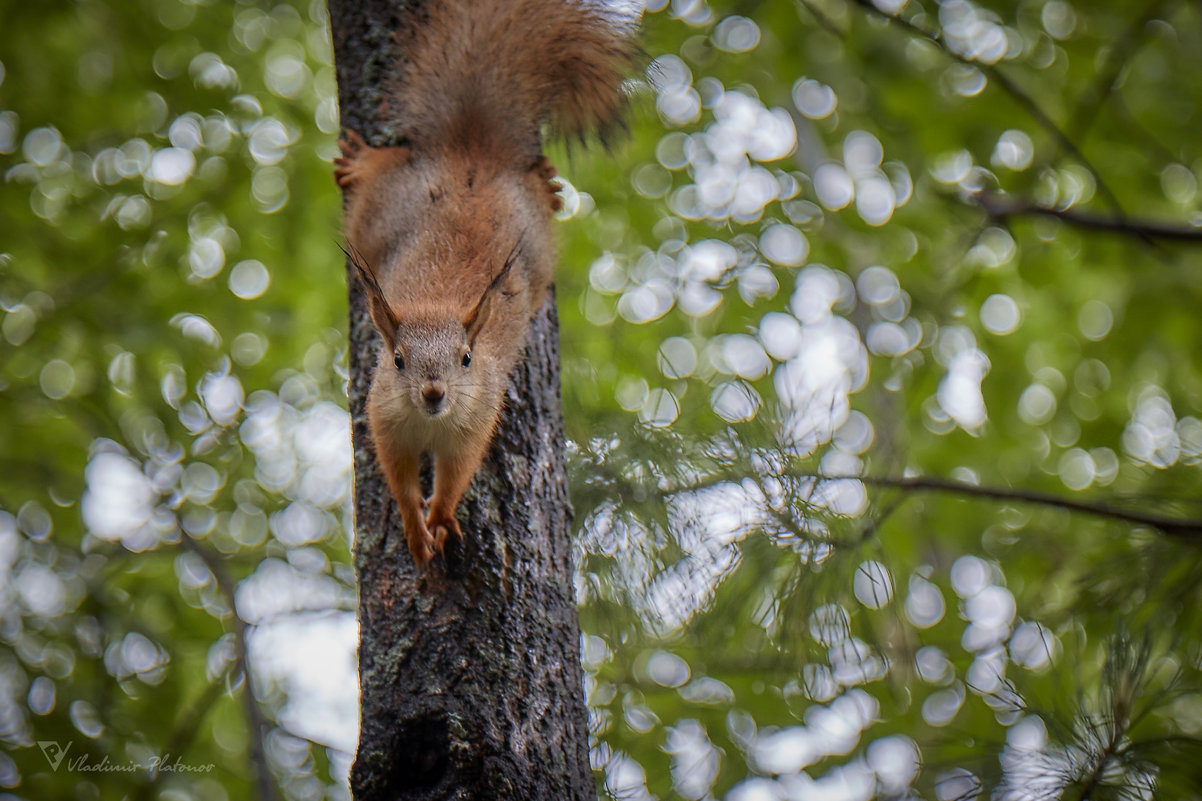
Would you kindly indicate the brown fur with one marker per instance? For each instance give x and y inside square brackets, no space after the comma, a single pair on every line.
[451,234]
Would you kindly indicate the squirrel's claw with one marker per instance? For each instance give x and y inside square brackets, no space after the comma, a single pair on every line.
[443,529]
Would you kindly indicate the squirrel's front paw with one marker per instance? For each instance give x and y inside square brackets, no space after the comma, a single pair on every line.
[421,548]
[352,148]
[421,543]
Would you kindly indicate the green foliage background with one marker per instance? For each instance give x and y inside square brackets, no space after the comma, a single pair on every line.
[788,273]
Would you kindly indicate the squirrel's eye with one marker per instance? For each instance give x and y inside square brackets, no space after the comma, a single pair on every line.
[467,359]
[399,361]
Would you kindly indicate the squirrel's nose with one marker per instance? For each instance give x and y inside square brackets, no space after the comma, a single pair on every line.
[433,392]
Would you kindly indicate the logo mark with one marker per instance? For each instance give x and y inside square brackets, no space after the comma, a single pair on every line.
[53,752]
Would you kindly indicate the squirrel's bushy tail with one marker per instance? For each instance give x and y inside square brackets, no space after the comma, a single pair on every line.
[487,74]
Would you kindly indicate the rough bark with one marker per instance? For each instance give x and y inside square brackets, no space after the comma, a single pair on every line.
[470,673]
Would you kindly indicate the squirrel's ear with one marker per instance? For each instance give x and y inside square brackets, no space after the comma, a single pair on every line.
[477,318]
[384,319]
[382,315]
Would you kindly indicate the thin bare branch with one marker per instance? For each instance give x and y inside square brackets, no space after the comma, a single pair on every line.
[1187,528]
[999,208]
[1181,527]
[822,19]
[185,731]
[264,783]
[1090,102]
[1011,88]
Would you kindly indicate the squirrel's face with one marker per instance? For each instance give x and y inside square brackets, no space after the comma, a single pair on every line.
[432,360]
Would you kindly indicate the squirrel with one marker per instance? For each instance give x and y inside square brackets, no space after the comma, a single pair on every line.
[450,232]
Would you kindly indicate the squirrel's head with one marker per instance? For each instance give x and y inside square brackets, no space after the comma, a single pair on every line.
[431,348]
[432,362]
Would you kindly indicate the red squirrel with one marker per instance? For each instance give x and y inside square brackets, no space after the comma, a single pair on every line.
[450,234]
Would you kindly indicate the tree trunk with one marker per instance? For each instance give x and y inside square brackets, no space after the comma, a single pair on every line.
[470,673]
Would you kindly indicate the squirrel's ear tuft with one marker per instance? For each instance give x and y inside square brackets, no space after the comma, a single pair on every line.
[478,316]
[474,322]
[382,314]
